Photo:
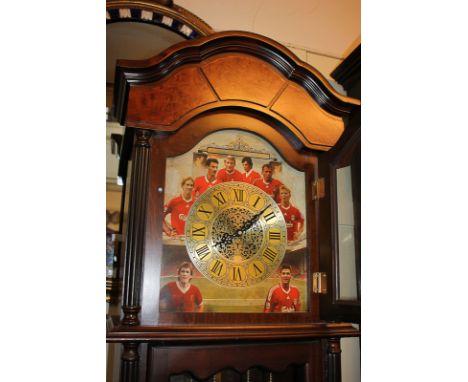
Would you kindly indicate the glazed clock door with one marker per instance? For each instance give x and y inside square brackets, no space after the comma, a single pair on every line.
[340,203]
[236,219]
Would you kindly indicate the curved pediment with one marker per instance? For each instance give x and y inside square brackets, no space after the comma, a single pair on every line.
[230,70]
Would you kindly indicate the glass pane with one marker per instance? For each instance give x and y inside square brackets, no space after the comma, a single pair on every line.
[346,240]
[214,197]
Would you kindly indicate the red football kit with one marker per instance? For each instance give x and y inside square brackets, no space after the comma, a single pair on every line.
[250,177]
[271,188]
[178,207]
[224,176]
[293,218]
[282,301]
[202,184]
[177,300]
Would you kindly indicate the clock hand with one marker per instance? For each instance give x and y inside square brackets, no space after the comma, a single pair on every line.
[230,238]
[225,240]
[249,223]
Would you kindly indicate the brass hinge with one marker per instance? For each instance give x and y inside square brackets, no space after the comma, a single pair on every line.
[318,189]
[319,282]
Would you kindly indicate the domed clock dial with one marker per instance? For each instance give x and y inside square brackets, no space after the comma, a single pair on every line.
[235,234]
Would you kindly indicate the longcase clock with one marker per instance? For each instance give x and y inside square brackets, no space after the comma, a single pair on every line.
[222,276]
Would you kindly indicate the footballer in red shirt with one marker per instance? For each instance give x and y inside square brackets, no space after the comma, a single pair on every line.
[204,182]
[283,298]
[229,173]
[178,208]
[267,183]
[292,216]
[180,295]
[249,176]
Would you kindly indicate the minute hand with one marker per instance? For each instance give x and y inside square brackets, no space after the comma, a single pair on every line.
[249,223]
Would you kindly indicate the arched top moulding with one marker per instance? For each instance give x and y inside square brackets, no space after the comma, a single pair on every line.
[231,70]
[162,13]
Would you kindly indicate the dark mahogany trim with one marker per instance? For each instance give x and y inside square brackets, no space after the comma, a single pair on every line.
[222,333]
[135,234]
[331,308]
[180,142]
[344,159]
[347,152]
[129,362]
[129,72]
[348,73]
[334,360]
[126,153]
[254,361]
[120,98]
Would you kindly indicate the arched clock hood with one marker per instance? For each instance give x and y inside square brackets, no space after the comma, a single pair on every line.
[230,70]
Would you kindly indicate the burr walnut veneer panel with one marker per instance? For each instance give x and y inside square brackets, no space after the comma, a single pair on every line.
[234,80]
[165,102]
[236,71]
[244,77]
[295,105]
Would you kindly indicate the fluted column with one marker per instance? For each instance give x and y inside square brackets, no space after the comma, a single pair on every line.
[134,248]
[129,362]
[334,360]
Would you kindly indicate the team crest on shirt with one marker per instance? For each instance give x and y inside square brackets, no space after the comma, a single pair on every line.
[182,217]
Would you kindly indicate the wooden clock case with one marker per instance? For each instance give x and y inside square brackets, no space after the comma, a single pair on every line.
[228,80]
